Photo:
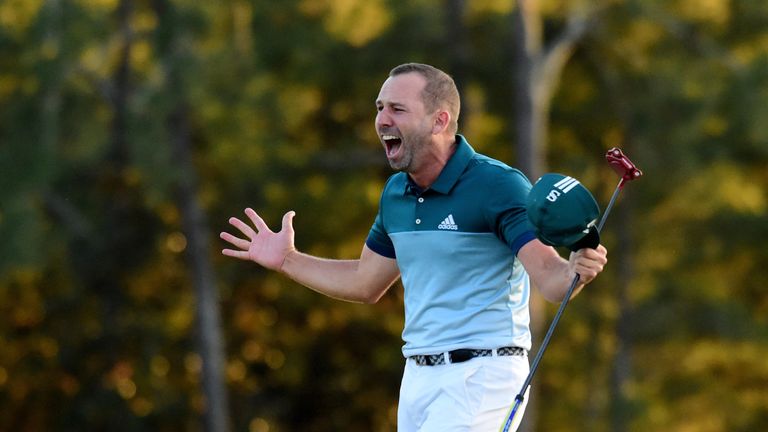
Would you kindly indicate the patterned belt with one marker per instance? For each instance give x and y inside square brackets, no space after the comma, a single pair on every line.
[462,355]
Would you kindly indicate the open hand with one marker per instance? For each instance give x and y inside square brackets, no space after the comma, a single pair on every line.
[261,245]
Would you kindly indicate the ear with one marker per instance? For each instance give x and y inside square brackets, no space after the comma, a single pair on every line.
[442,120]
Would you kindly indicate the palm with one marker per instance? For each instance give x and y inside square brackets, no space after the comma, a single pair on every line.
[268,248]
[261,245]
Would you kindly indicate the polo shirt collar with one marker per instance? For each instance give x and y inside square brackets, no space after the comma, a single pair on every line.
[455,166]
[451,171]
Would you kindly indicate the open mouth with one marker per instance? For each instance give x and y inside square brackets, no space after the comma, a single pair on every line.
[392,144]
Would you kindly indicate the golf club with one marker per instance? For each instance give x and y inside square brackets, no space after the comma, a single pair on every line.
[627,171]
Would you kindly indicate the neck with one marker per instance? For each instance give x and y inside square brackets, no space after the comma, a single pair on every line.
[439,154]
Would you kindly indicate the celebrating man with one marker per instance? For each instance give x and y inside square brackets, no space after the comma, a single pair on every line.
[452,224]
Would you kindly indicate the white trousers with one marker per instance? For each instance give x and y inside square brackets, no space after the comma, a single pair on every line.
[473,396]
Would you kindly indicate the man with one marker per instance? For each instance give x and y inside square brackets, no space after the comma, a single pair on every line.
[452,223]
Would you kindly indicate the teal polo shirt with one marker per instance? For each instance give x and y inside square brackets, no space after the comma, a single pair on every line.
[456,244]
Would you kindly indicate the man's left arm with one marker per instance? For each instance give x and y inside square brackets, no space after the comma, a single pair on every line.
[553,275]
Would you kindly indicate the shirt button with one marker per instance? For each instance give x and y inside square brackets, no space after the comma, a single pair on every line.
[421,200]
[418,221]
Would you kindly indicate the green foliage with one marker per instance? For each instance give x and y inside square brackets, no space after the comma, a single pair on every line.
[98,311]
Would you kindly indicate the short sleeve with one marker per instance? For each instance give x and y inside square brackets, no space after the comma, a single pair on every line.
[378,240]
[506,209]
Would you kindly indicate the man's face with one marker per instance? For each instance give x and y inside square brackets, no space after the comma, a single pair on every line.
[403,125]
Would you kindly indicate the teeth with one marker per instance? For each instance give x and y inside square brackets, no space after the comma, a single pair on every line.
[389,137]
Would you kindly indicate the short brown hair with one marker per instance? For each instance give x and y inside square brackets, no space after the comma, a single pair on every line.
[440,89]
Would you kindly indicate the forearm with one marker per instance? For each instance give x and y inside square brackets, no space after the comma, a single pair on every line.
[551,273]
[557,280]
[363,280]
[340,279]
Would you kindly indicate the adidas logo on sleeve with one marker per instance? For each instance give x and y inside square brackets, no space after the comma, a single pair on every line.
[448,224]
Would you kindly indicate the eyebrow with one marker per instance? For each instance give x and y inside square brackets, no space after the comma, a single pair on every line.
[393,104]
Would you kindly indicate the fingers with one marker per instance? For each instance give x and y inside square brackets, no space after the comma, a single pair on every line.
[243,227]
[243,255]
[235,241]
[258,222]
[288,220]
[588,263]
[598,254]
[249,232]
[601,250]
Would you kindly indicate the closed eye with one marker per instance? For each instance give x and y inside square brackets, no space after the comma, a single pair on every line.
[393,107]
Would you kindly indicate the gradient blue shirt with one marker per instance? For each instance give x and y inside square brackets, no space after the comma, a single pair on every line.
[456,245]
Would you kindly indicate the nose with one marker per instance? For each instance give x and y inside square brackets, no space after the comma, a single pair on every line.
[383,119]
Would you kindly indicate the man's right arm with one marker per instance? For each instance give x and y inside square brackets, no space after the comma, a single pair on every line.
[362,280]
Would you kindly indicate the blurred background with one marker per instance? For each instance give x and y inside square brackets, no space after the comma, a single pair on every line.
[131,130]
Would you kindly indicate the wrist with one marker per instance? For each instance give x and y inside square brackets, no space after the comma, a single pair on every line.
[282,267]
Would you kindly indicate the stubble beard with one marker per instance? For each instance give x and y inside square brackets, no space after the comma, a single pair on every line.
[410,147]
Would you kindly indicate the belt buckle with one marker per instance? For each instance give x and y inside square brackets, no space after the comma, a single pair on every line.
[461,355]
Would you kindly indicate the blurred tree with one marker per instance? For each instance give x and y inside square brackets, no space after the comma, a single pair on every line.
[96,296]
[537,68]
[458,50]
[174,55]
[663,75]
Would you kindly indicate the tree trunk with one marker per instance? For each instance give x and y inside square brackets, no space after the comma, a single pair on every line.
[51,100]
[622,363]
[194,223]
[621,368]
[115,192]
[536,74]
[210,335]
[526,45]
[530,112]
[459,51]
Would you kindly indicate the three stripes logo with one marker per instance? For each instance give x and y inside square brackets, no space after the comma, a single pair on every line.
[448,224]
[562,187]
